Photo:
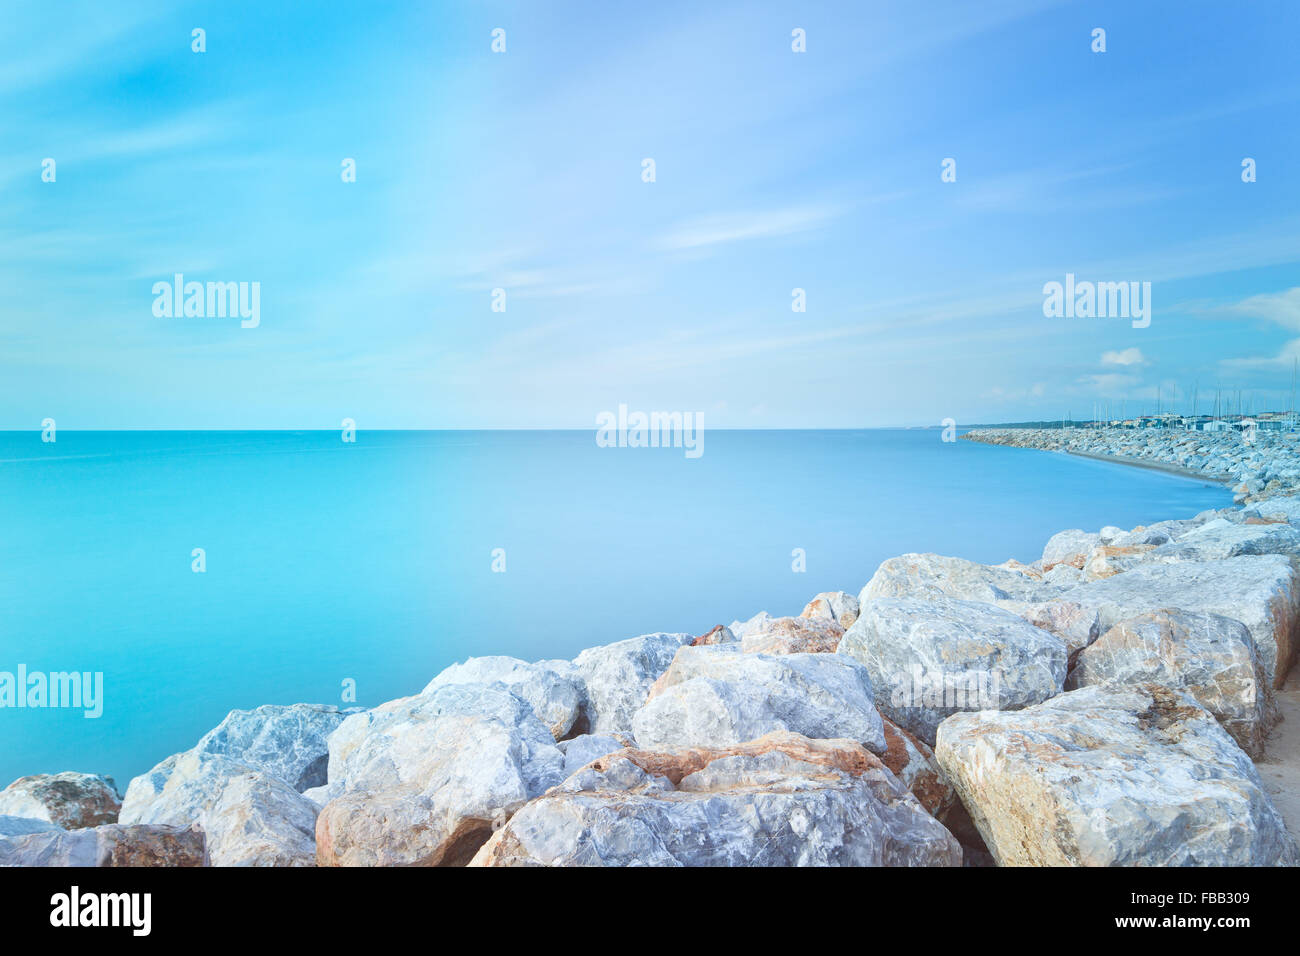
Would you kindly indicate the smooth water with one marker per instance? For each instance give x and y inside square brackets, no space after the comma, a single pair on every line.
[373,561]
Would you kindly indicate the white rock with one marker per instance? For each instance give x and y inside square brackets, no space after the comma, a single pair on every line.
[70,800]
[618,676]
[838,606]
[1112,775]
[553,689]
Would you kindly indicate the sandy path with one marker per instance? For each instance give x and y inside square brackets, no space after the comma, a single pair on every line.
[1280,769]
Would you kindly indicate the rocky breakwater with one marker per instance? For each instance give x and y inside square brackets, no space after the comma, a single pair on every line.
[1101,704]
[1266,466]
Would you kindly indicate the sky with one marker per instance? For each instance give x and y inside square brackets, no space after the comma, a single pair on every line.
[523,171]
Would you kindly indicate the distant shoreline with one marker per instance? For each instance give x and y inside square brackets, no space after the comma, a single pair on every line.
[1154,466]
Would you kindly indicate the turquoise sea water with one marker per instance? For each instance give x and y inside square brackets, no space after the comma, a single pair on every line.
[372,561]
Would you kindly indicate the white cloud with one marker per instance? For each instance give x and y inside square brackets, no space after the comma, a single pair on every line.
[1282,308]
[1124,358]
[718,229]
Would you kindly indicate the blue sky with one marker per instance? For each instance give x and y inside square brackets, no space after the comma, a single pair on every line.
[522,170]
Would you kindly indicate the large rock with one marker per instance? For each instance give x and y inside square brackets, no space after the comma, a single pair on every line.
[286,741]
[838,606]
[912,762]
[250,818]
[1260,591]
[582,750]
[719,696]
[1222,538]
[1073,623]
[793,635]
[552,688]
[782,800]
[21,826]
[69,800]
[1209,657]
[931,658]
[1112,775]
[107,845]
[934,575]
[617,677]
[424,780]
[1069,548]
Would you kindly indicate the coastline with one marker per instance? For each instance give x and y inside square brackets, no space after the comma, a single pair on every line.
[841,717]
[1168,469]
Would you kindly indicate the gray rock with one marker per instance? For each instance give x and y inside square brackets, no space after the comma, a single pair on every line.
[793,635]
[1260,591]
[933,575]
[741,628]
[782,800]
[69,800]
[1073,623]
[618,676]
[250,818]
[838,606]
[1209,657]
[931,658]
[11,826]
[425,779]
[107,845]
[580,751]
[554,689]
[1221,538]
[718,697]
[1112,775]
[1069,548]
[286,741]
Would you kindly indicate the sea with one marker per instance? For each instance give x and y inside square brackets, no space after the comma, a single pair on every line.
[204,571]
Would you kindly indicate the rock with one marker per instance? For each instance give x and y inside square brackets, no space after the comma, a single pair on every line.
[618,676]
[250,818]
[1063,575]
[21,826]
[1112,775]
[933,575]
[1110,533]
[1286,508]
[1106,560]
[1206,656]
[793,635]
[782,800]
[106,845]
[719,697]
[1073,623]
[1069,548]
[931,658]
[719,635]
[913,763]
[286,741]
[1260,591]
[425,779]
[553,688]
[741,628]
[1221,538]
[580,751]
[69,800]
[838,606]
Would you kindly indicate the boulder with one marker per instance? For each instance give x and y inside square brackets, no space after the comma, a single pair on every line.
[286,741]
[424,780]
[1221,538]
[69,800]
[1112,775]
[793,635]
[933,575]
[582,750]
[552,688]
[1259,590]
[838,606]
[617,677]
[1069,548]
[931,658]
[1209,657]
[1107,560]
[1073,623]
[21,826]
[782,800]
[719,697]
[250,818]
[720,634]
[106,845]
[741,628]
[913,763]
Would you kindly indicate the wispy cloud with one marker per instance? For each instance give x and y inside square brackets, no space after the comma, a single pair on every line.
[716,230]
